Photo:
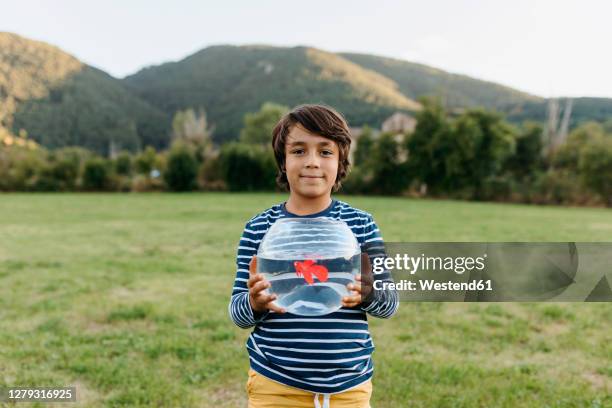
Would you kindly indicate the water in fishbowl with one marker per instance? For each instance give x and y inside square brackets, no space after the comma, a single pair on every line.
[310,287]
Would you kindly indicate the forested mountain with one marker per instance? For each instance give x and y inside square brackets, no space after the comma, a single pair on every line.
[60,101]
[229,81]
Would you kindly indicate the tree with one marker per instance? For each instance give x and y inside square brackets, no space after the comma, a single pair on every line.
[258,126]
[527,159]
[459,147]
[182,168]
[364,147]
[450,156]
[389,176]
[360,177]
[476,150]
[426,145]
[595,167]
[192,128]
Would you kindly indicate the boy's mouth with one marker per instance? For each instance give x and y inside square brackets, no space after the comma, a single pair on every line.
[314,177]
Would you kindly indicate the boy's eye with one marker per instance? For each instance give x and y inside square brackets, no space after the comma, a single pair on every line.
[323,152]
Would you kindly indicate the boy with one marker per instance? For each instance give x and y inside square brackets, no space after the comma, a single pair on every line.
[297,359]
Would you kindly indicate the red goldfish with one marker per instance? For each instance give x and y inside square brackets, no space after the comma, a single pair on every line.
[308,268]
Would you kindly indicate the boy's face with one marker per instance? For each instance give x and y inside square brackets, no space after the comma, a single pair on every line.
[311,163]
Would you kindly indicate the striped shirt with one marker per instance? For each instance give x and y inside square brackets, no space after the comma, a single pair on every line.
[321,354]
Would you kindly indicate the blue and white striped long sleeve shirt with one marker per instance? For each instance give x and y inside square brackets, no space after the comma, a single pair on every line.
[321,354]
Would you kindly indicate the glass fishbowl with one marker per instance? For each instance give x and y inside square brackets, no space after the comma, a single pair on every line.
[309,262]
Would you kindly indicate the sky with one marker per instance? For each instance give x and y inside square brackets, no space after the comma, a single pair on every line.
[547,48]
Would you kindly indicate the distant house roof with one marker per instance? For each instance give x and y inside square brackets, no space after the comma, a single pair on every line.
[399,122]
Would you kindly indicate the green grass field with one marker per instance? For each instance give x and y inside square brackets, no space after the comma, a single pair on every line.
[125,296]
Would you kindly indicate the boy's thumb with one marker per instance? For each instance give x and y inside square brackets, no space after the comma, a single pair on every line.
[253,265]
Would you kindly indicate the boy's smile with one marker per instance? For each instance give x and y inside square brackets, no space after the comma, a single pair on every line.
[311,164]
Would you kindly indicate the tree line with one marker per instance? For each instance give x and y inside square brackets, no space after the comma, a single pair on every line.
[474,154]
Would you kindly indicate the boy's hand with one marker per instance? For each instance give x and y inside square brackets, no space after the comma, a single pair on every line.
[360,290]
[260,302]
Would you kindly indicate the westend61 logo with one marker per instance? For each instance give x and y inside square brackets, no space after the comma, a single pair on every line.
[412,264]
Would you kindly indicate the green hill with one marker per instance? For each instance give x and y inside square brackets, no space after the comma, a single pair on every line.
[416,80]
[460,91]
[583,110]
[229,81]
[60,101]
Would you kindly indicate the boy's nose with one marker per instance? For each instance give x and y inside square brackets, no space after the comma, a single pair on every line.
[312,161]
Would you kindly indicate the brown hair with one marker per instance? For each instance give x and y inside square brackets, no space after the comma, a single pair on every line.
[320,120]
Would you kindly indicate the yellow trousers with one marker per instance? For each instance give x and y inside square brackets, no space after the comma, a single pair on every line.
[266,393]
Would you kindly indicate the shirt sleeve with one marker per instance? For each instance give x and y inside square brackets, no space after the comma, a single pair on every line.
[239,307]
[379,303]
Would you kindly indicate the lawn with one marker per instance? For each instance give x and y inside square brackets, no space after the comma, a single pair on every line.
[125,296]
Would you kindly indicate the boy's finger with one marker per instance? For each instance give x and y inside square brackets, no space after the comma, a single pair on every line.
[253,265]
[266,299]
[275,308]
[259,286]
[352,299]
[354,288]
[349,304]
[253,279]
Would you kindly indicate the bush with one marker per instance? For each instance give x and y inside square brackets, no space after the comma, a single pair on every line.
[123,164]
[498,188]
[145,161]
[568,154]
[595,167]
[65,171]
[56,176]
[182,168]
[247,168]
[96,174]
[20,168]
[210,175]
[357,182]
[558,187]
[268,169]
[69,168]
[141,183]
